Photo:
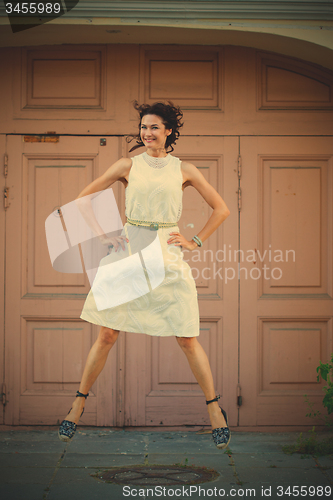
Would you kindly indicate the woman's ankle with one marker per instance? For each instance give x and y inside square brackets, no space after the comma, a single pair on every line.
[213,407]
[76,411]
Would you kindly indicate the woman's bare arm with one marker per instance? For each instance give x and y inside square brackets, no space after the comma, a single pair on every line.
[116,171]
[220,210]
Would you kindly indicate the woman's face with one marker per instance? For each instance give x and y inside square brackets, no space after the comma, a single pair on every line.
[153,132]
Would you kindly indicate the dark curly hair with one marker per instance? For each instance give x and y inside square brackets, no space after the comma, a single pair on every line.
[170,115]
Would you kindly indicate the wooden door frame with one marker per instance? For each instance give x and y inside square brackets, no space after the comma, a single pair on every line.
[3,151]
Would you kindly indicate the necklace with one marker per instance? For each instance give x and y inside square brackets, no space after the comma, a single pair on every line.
[156,162]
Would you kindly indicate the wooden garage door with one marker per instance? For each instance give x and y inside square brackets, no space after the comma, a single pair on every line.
[285,309]
[46,342]
[286,276]
[147,381]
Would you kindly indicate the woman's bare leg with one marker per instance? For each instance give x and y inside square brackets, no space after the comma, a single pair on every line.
[94,365]
[200,367]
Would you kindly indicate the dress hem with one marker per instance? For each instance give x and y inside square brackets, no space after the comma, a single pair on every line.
[135,331]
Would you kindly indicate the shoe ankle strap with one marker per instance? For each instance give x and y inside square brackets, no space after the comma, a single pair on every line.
[80,395]
[212,400]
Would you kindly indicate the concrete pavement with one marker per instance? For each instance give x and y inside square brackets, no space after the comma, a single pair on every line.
[36,465]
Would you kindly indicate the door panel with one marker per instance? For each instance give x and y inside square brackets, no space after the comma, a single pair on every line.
[160,388]
[285,276]
[46,341]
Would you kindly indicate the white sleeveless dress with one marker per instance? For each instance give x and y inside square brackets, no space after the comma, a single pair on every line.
[171,308]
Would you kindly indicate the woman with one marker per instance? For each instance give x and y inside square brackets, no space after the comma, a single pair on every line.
[154,183]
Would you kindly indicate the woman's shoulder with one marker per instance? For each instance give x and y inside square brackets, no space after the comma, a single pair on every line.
[187,166]
[124,164]
[124,161]
[138,155]
[175,158]
[189,171]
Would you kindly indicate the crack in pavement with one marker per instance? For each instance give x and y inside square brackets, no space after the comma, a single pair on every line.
[322,470]
[57,467]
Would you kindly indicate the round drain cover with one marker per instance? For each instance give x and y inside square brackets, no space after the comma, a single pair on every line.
[154,475]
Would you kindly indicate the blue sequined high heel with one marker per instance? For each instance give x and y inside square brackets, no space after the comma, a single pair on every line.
[67,429]
[221,435]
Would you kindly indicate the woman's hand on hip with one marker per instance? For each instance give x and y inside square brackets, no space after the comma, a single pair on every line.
[179,240]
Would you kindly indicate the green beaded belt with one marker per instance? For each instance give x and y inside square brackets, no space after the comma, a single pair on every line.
[152,225]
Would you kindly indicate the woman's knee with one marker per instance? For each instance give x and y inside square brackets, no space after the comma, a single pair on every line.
[186,343]
[108,336]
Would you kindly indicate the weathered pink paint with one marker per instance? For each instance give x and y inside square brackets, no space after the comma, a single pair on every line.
[272,110]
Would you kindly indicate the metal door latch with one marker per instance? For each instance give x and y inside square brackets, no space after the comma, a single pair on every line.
[3,395]
[239,396]
[5,198]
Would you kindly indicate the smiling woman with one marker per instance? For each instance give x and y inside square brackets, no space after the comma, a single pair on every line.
[159,292]
[168,115]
